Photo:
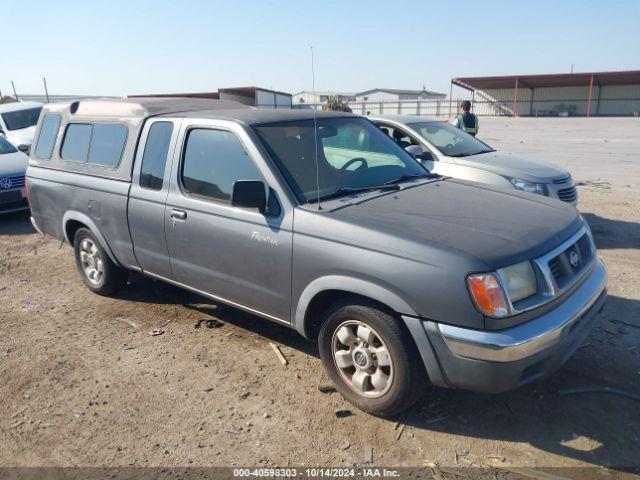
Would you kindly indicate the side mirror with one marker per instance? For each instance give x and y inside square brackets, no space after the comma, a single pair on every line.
[24,148]
[417,152]
[249,194]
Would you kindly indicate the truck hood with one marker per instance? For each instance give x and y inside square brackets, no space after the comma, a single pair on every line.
[13,164]
[22,136]
[497,227]
[511,165]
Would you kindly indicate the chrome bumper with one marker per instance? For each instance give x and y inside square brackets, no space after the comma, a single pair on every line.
[528,339]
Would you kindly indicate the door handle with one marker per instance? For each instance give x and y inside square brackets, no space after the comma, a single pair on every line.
[178,214]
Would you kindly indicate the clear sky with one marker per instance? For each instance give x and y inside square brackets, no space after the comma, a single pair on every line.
[121,47]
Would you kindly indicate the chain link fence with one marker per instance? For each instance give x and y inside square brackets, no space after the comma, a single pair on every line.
[565,107]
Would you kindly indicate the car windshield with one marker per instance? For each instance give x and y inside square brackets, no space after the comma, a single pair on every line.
[6,147]
[18,119]
[353,155]
[449,140]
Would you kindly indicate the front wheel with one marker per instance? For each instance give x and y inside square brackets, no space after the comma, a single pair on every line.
[97,271]
[371,359]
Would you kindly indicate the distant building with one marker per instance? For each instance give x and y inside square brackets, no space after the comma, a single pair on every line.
[252,96]
[397,95]
[310,97]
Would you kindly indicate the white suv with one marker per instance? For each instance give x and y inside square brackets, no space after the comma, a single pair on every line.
[18,123]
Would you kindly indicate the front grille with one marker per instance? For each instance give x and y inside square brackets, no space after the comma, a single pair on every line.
[554,266]
[11,200]
[16,182]
[568,194]
[569,264]
[562,181]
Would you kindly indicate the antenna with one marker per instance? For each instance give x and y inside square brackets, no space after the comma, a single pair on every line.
[46,90]
[315,130]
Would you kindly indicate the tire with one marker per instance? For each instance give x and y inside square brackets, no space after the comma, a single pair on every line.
[382,386]
[96,269]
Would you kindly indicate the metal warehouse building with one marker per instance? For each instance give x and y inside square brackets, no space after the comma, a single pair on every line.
[563,94]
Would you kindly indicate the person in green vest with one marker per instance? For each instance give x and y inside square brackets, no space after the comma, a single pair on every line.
[465,120]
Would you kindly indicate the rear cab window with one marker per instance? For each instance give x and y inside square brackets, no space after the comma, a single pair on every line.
[154,158]
[98,144]
[47,137]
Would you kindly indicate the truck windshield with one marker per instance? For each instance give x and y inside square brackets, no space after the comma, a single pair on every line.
[449,140]
[353,155]
[6,147]
[19,119]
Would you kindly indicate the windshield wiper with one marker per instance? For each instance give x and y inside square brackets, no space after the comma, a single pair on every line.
[486,150]
[409,176]
[351,190]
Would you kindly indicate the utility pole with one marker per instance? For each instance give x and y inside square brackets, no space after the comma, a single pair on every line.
[14,90]
[46,91]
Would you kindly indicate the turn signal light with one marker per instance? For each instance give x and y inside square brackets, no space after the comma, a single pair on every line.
[488,295]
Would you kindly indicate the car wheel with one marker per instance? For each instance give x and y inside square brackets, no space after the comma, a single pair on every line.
[371,359]
[97,271]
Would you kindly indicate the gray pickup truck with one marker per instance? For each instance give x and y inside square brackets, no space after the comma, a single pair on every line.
[322,223]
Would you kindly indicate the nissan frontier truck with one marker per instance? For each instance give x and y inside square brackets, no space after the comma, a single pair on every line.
[320,222]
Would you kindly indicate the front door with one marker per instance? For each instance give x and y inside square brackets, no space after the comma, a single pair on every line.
[149,189]
[238,255]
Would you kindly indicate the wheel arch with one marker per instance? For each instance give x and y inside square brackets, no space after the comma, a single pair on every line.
[72,221]
[324,291]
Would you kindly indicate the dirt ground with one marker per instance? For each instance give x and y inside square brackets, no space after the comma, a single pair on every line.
[83,383]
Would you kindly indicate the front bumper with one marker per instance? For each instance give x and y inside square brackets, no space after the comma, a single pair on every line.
[500,360]
[13,201]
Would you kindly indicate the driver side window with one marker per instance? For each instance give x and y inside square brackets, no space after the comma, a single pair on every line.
[401,137]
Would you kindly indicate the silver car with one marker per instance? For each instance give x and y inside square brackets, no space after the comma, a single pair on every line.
[447,150]
[13,165]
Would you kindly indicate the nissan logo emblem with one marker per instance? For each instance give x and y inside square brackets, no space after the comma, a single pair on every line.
[574,259]
[5,183]
[360,358]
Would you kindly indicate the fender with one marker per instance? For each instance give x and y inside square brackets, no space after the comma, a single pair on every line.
[82,218]
[350,285]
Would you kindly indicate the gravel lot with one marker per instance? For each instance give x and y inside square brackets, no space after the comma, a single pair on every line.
[83,383]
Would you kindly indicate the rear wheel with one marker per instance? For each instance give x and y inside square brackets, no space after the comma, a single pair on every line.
[371,359]
[97,271]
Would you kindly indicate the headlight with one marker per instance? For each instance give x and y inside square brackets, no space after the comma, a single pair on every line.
[529,187]
[493,293]
[519,280]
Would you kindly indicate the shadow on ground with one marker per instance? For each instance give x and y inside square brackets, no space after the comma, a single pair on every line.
[609,233]
[146,290]
[16,224]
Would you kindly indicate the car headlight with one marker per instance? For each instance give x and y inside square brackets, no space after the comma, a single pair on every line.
[529,187]
[494,292]
[519,280]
